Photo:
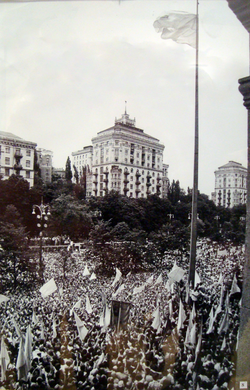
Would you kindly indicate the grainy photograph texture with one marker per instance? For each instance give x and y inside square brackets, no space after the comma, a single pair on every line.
[124,195]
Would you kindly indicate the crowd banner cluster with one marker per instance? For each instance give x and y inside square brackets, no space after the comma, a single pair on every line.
[134,331]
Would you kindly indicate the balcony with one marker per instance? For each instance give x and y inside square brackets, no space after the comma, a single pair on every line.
[18,154]
[137,182]
[125,181]
[18,167]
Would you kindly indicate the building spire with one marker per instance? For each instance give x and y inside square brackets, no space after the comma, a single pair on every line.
[125,107]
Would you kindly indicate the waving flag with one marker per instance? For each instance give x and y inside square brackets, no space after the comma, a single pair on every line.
[157,320]
[88,306]
[28,348]
[82,330]
[3,298]
[48,288]
[86,271]
[182,316]
[234,288]
[178,26]
[21,364]
[117,277]
[4,360]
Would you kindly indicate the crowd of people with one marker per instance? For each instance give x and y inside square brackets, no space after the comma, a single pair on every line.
[169,338]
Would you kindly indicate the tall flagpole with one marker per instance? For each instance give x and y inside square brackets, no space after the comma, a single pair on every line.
[196,155]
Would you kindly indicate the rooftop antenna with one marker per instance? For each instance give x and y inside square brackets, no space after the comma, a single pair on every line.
[125,107]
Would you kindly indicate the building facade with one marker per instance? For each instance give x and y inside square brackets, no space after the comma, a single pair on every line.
[16,157]
[123,158]
[230,185]
[44,158]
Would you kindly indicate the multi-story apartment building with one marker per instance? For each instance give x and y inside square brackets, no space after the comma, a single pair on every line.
[16,157]
[125,159]
[44,158]
[230,185]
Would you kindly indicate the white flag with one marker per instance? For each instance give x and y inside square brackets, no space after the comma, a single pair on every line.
[82,330]
[3,298]
[157,320]
[182,316]
[86,271]
[21,364]
[28,348]
[159,279]
[197,279]
[178,26]
[88,305]
[150,280]
[93,276]
[137,290]
[176,274]
[234,288]
[4,360]
[117,277]
[48,288]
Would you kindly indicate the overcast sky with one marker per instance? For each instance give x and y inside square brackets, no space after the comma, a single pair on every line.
[68,67]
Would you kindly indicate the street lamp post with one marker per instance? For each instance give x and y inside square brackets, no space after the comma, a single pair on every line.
[43,211]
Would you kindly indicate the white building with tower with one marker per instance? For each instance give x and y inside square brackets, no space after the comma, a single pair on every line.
[230,185]
[125,159]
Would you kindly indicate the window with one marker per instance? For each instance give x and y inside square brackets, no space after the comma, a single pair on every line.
[7,149]
[7,160]
[27,163]
[27,174]
[7,172]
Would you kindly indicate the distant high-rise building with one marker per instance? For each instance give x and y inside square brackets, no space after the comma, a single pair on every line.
[44,158]
[125,159]
[230,185]
[16,157]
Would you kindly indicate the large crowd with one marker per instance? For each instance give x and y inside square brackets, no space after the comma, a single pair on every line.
[165,336]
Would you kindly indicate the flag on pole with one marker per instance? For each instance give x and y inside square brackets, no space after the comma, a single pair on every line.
[234,288]
[159,280]
[224,322]
[176,274]
[54,334]
[34,318]
[117,277]
[182,316]
[179,26]
[197,279]
[82,330]
[86,271]
[211,321]
[77,305]
[88,305]
[3,298]
[120,289]
[28,348]
[137,290]
[157,320]
[48,288]
[21,364]
[4,360]
[93,276]
[17,329]
[150,280]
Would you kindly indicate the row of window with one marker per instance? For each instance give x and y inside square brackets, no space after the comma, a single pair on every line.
[27,164]
[8,173]
[18,150]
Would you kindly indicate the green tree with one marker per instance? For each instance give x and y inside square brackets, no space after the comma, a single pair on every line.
[70,217]
[68,171]
[76,174]
[16,268]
